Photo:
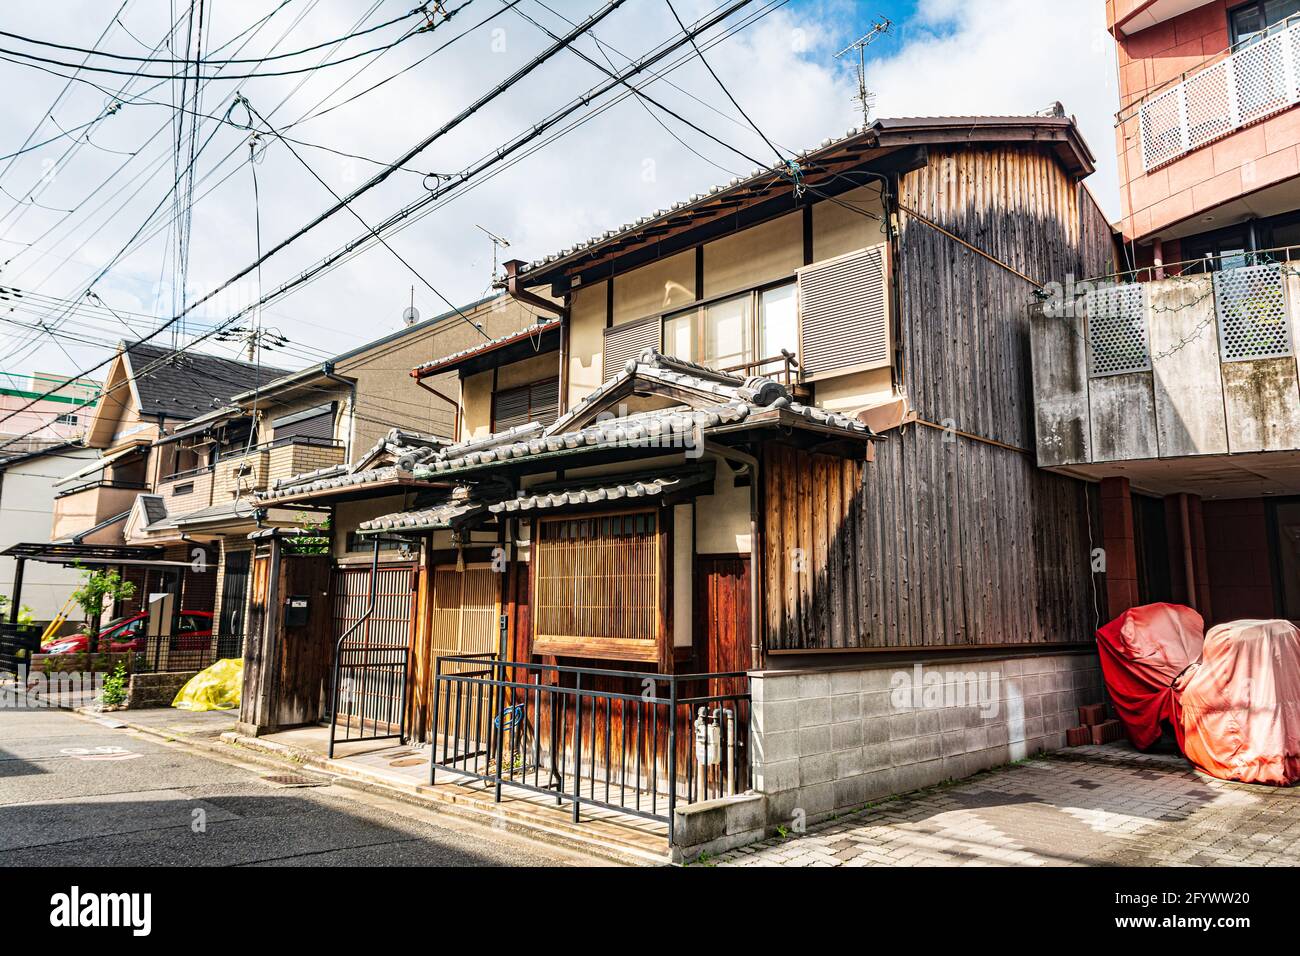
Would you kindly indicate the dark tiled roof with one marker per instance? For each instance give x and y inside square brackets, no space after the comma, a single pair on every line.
[185,384]
[598,492]
[155,508]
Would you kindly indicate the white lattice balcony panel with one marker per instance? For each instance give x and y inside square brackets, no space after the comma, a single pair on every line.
[1251,84]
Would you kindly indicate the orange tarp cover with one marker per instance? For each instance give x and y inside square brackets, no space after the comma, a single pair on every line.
[1142,652]
[1241,703]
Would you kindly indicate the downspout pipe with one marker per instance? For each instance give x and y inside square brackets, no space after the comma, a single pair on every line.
[755,547]
[455,405]
[327,369]
[520,294]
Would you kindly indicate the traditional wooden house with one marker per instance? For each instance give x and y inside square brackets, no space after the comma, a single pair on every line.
[769,459]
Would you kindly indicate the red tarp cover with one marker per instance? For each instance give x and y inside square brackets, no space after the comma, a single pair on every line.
[1142,651]
[1241,704]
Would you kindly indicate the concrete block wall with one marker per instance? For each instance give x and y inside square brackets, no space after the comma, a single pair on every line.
[828,741]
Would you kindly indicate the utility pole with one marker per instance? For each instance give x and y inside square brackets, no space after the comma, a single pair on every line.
[253,339]
[865,98]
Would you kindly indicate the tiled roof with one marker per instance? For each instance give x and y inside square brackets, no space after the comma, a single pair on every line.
[735,399]
[184,385]
[881,133]
[155,508]
[405,449]
[598,493]
[434,518]
[455,358]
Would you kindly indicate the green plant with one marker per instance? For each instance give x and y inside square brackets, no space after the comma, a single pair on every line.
[115,687]
[96,587]
[783,831]
[315,538]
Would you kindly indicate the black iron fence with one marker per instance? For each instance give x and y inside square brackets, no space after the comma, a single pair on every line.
[627,741]
[18,643]
[368,699]
[184,652]
[141,655]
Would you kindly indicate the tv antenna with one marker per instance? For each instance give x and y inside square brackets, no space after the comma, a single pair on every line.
[865,98]
[411,315]
[498,242]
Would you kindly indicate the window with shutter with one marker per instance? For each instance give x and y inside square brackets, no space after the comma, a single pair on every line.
[315,422]
[844,308]
[536,402]
[627,341]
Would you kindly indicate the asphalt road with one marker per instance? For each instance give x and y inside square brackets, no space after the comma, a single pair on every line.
[77,792]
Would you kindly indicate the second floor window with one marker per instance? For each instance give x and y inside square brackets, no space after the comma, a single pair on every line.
[1253,21]
[535,402]
[743,332]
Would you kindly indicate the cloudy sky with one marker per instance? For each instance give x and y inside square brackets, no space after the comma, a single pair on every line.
[102,195]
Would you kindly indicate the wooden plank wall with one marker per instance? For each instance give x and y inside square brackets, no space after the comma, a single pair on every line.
[946,540]
[306,653]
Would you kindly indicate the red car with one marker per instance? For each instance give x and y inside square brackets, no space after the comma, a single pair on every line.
[129,633]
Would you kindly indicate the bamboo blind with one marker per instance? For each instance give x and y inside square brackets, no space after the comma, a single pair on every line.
[597,577]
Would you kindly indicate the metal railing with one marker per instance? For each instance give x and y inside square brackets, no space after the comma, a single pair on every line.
[368,682]
[783,368]
[626,741]
[369,696]
[185,652]
[1248,85]
[175,653]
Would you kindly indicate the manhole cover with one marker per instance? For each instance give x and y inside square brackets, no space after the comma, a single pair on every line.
[291,780]
[408,762]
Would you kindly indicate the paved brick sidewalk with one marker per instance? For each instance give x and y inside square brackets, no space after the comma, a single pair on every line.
[1091,806]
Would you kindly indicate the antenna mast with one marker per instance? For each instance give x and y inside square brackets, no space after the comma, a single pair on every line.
[865,98]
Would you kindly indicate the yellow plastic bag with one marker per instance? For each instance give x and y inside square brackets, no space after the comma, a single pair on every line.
[216,688]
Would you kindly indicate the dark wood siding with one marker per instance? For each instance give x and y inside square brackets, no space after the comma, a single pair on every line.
[952,536]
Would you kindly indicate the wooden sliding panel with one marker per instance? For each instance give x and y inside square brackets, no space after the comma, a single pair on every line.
[598,586]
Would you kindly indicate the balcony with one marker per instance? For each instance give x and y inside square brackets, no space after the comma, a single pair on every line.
[1190,380]
[79,509]
[254,469]
[1248,85]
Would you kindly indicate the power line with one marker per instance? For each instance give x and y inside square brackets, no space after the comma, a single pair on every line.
[34,60]
[383,175]
[421,9]
[500,155]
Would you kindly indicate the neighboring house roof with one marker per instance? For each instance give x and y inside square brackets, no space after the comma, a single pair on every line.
[819,165]
[389,462]
[709,403]
[155,508]
[184,384]
[539,338]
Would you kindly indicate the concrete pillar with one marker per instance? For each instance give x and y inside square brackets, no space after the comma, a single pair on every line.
[1119,542]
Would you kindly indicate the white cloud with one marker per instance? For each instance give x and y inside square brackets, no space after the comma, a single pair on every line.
[978,56]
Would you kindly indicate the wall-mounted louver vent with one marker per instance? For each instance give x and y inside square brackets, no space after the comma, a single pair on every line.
[844,320]
[627,341]
[1117,331]
[1252,313]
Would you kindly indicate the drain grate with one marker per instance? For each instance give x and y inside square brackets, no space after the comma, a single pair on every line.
[291,780]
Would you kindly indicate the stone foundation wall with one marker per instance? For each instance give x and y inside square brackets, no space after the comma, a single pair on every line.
[828,741]
[155,690]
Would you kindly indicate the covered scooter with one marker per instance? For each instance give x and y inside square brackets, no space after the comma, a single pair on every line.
[1142,652]
[1241,703]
